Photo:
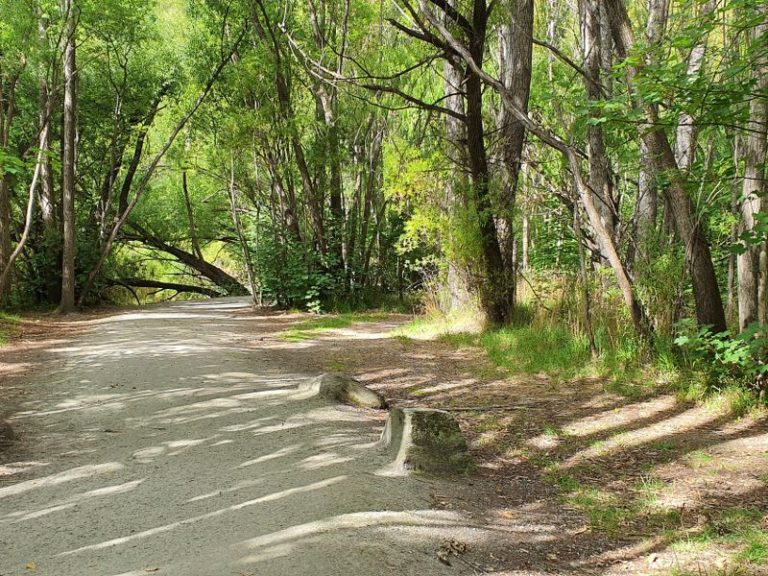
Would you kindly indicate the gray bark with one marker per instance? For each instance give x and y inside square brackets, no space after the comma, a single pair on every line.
[754,184]
[687,131]
[599,165]
[516,45]
[709,304]
[69,155]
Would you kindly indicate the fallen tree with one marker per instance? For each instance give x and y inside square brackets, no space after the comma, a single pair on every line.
[222,279]
[142,283]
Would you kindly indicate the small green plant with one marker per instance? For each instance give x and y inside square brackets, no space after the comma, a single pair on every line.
[727,359]
[335,366]
[756,549]
[699,457]
[566,483]
[602,509]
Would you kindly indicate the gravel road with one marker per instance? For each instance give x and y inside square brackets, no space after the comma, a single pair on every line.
[163,445]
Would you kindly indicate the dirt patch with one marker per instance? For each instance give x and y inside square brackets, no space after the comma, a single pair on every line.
[641,484]
[26,351]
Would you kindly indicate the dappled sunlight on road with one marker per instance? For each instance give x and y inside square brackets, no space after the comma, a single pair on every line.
[173,440]
[677,424]
[187,521]
[611,418]
[71,501]
[161,444]
[72,475]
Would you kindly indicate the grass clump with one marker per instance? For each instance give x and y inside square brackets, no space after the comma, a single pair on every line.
[736,528]
[7,324]
[310,328]
[554,350]
[603,510]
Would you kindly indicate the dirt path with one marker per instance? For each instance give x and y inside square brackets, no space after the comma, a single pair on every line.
[164,443]
[167,441]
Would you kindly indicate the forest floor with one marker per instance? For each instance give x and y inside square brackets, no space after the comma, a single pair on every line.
[572,477]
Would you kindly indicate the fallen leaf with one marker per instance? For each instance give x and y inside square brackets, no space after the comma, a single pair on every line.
[31,566]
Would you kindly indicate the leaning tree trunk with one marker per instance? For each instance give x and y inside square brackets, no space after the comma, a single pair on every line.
[599,165]
[709,304]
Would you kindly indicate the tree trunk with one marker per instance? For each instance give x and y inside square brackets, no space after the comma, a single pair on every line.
[69,156]
[599,165]
[495,295]
[215,274]
[5,235]
[266,33]
[754,185]
[516,43]
[709,304]
[48,204]
[470,57]
[457,276]
[190,215]
[7,114]
[687,131]
[233,203]
[647,207]
[7,270]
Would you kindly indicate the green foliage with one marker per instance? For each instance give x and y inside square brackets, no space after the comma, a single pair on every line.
[553,350]
[726,359]
[756,236]
[293,275]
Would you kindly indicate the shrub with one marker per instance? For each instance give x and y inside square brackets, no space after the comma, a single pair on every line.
[726,359]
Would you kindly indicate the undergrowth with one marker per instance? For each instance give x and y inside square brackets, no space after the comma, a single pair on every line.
[549,336]
[7,323]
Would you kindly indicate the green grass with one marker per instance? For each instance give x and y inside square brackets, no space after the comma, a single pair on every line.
[7,321]
[756,549]
[699,458]
[603,510]
[565,482]
[552,431]
[336,366]
[735,528]
[310,328]
[552,350]
[536,347]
